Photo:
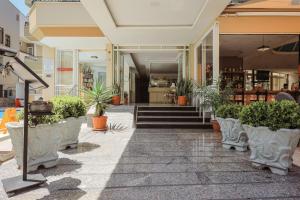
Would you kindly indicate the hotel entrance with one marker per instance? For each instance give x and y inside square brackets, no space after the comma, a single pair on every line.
[149,74]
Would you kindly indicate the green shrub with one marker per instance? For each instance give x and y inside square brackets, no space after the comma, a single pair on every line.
[284,114]
[229,111]
[35,120]
[275,115]
[68,106]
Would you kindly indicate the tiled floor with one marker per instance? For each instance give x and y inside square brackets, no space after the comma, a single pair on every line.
[156,164]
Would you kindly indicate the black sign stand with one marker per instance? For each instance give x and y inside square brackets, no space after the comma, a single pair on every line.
[22,182]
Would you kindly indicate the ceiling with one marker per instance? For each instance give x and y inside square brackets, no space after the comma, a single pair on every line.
[156,62]
[246,46]
[98,57]
[154,22]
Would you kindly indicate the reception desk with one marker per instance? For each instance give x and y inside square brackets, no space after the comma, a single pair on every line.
[159,95]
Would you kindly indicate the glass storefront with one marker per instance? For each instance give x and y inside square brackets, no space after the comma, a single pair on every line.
[207,65]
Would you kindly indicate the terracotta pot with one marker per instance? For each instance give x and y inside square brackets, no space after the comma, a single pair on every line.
[182,101]
[99,123]
[116,100]
[216,126]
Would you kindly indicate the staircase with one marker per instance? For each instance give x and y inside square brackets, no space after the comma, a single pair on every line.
[185,117]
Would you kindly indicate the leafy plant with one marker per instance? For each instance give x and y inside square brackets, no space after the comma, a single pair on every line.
[212,96]
[184,87]
[99,97]
[36,120]
[116,90]
[275,115]
[68,106]
[229,111]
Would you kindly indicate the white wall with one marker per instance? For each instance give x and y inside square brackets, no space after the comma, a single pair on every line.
[11,25]
[8,21]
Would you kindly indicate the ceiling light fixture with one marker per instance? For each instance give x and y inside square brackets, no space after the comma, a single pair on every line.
[264,47]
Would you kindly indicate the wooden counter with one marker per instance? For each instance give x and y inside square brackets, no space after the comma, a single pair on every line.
[159,95]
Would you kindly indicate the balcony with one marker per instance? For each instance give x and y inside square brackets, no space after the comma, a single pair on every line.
[29,3]
[60,18]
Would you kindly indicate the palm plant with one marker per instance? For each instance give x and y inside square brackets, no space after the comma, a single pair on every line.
[184,87]
[98,96]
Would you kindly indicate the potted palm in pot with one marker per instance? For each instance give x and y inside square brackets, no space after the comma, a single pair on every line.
[116,91]
[273,132]
[183,89]
[99,97]
[233,134]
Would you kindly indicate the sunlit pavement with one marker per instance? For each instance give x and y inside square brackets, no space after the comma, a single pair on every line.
[157,164]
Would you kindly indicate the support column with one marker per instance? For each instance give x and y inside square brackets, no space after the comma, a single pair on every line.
[216,52]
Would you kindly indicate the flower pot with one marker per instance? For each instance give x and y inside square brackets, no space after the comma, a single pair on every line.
[116,100]
[43,144]
[233,134]
[216,126]
[99,123]
[182,100]
[70,133]
[273,149]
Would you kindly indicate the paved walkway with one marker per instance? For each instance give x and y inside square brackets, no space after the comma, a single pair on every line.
[155,164]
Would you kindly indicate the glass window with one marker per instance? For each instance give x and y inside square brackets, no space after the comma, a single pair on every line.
[64,72]
[1,35]
[7,40]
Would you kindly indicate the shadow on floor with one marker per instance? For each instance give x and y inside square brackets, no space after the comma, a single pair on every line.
[60,189]
[64,165]
[81,148]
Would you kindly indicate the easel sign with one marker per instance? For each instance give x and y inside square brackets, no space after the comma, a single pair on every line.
[31,81]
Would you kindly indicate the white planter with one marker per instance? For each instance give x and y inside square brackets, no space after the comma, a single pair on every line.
[273,149]
[233,134]
[43,144]
[70,132]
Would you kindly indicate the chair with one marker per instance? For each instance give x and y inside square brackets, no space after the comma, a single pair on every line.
[284,96]
[10,115]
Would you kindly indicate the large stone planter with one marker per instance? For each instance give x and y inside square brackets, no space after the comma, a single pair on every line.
[233,134]
[43,144]
[273,149]
[70,132]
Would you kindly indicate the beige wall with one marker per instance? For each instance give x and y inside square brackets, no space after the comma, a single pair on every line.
[259,24]
[109,66]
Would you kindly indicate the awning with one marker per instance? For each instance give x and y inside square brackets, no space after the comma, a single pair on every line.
[24,72]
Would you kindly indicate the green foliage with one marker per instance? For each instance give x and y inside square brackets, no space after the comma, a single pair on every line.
[229,111]
[68,106]
[212,96]
[35,120]
[184,87]
[116,90]
[99,97]
[283,114]
[275,115]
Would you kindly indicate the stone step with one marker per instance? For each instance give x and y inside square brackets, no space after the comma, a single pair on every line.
[171,119]
[183,125]
[167,113]
[167,108]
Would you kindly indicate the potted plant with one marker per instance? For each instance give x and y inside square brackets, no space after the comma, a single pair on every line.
[98,97]
[183,89]
[72,111]
[211,98]
[273,132]
[116,91]
[233,134]
[43,141]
